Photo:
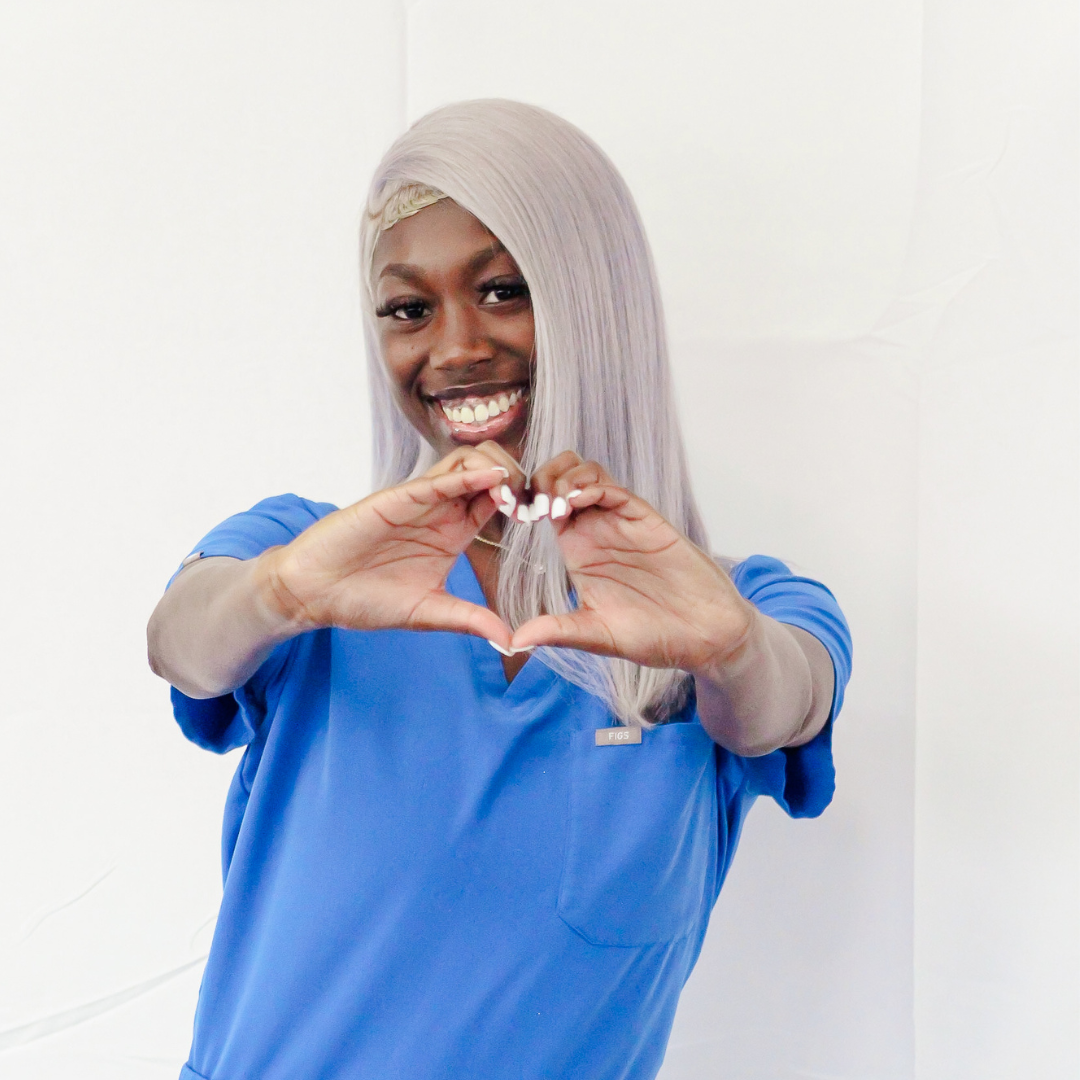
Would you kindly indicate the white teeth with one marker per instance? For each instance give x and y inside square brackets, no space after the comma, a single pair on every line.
[481,413]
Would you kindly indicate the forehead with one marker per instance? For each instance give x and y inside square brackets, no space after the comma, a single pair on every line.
[440,237]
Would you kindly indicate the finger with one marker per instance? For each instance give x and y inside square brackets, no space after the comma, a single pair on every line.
[603,496]
[501,456]
[543,480]
[441,611]
[563,474]
[581,629]
[476,457]
[467,482]
[462,460]
[480,510]
[425,492]
[583,475]
[512,492]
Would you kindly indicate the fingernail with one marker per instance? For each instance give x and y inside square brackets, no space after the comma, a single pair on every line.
[507,510]
[527,648]
[573,494]
[541,505]
[559,508]
[523,515]
[499,648]
[508,496]
[499,468]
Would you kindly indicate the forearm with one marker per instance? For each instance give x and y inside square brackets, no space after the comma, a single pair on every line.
[214,626]
[775,690]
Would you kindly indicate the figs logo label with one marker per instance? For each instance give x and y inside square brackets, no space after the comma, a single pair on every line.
[618,736]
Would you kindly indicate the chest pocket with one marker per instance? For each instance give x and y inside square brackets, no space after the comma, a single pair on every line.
[641,836]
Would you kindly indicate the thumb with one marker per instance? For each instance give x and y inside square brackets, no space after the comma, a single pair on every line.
[441,611]
[581,629]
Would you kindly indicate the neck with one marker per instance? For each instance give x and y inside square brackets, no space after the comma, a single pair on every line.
[492,531]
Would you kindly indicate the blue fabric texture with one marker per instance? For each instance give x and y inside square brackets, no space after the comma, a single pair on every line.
[430,873]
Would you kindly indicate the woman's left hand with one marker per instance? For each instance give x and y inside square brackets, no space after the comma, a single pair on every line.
[644,591]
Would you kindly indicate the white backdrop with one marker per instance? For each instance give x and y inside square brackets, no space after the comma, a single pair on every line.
[865,221]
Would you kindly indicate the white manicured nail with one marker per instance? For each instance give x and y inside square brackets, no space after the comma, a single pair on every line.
[499,648]
[559,508]
[527,648]
[523,514]
[573,494]
[500,468]
[540,507]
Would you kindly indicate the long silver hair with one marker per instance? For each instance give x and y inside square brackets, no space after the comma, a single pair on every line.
[601,383]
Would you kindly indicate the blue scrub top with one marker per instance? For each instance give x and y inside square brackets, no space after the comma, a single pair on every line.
[430,873]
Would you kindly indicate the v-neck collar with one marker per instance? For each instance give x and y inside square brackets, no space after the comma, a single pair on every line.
[534,676]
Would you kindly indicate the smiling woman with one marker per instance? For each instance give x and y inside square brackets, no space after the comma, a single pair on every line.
[600,381]
[455,329]
[440,859]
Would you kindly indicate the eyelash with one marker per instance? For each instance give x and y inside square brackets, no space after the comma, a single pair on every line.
[394,306]
[516,287]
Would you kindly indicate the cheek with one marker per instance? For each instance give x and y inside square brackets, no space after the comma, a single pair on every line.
[400,363]
[520,335]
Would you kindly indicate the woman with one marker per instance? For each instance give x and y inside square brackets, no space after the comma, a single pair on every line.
[444,859]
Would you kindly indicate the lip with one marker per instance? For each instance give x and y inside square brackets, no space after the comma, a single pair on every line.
[475,390]
[473,434]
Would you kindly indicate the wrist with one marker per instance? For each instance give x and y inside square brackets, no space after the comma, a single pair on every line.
[282,613]
[743,645]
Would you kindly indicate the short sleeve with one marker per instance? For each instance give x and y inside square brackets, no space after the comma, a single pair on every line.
[800,778]
[224,723]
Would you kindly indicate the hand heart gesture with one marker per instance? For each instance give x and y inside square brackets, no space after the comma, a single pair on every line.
[644,592]
[383,562]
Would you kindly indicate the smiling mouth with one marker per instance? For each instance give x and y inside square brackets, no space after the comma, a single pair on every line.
[471,415]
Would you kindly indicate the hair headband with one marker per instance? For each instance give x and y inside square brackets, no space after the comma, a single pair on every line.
[409,199]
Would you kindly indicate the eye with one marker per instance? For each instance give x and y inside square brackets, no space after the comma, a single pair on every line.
[405,309]
[500,290]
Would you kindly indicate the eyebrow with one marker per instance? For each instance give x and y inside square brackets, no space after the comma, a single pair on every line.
[414,275]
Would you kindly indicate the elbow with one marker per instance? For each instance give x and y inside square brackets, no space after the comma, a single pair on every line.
[157,652]
[755,748]
[743,742]
[747,728]
[153,651]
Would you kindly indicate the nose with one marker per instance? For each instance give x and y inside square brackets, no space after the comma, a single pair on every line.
[459,340]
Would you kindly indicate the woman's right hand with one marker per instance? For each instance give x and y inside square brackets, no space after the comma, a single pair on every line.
[382,562]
